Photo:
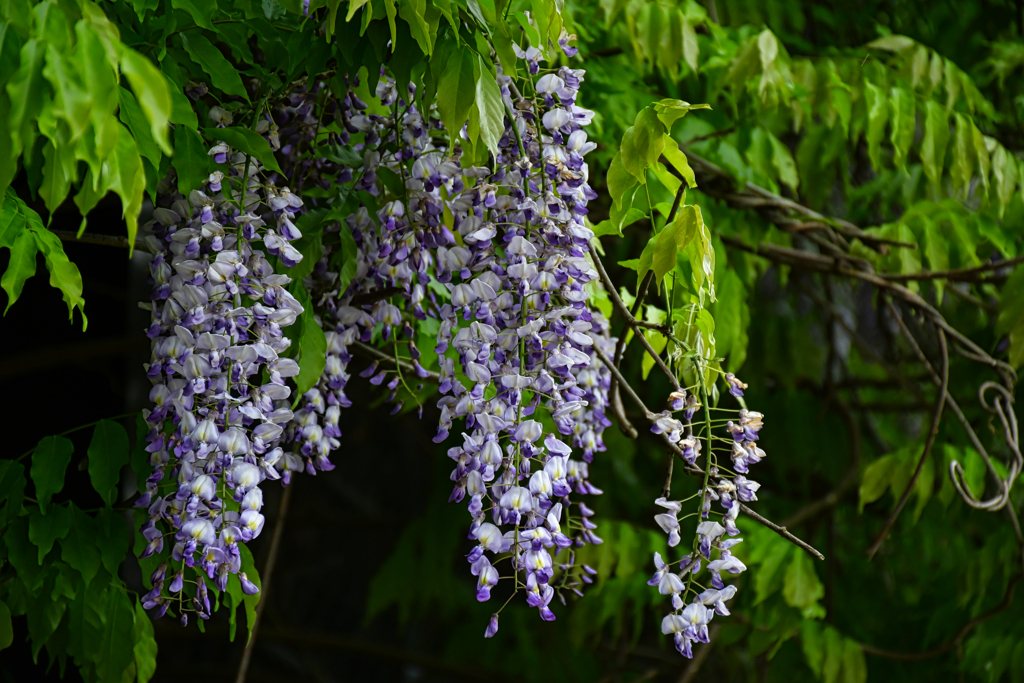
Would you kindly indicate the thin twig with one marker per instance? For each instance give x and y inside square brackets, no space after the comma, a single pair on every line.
[952,642]
[957,274]
[385,358]
[940,402]
[690,469]
[103,240]
[268,573]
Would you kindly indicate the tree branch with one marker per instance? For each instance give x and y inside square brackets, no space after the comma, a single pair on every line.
[690,469]
[940,402]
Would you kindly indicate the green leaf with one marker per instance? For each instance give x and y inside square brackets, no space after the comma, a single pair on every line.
[657,341]
[21,267]
[348,255]
[200,16]
[802,588]
[630,156]
[669,111]
[423,19]
[855,669]
[153,92]
[312,355]
[64,274]
[1011,315]
[619,179]
[222,74]
[675,156]
[145,648]
[123,173]
[663,259]
[963,155]
[878,112]
[456,89]
[28,92]
[78,548]
[247,142]
[49,461]
[491,107]
[72,102]
[108,453]
[191,161]
[249,567]
[812,639]
[691,49]
[6,627]
[23,555]
[936,137]
[45,529]
[876,480]
[699,251]
[646,259]
[936,251]
[782,160]
[1004,168]
[648,137]
[835,652]
[903,125]
[114,539]
[117,651]
[132,116]
[732,317]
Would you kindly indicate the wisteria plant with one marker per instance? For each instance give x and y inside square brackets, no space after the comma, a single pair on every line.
[417,196]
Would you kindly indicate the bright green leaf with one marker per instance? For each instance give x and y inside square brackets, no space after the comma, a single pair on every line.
[936,137]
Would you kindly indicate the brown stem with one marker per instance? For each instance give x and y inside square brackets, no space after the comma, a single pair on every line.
[780,530]
[954,641]
[268,573]
[940,402]
[957,274]
[385,358]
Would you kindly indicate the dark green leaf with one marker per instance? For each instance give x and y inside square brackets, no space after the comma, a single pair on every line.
[249,567]
[23,555]
[79,547]
[145,648]
[117,651]
[456,89]
[200,16]
[223,76]
[247,142]
[49,461]
[312,353]
[114,539]
[876,480]
[191,161]
[45,529]
[108,453]
[348,254]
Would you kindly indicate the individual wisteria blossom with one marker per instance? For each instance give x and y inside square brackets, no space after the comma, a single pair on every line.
[694,604]
[218,373]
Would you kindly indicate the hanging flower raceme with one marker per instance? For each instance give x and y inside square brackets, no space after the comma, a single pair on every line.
[695,604]
[393,257]
[516,336]
[218,309]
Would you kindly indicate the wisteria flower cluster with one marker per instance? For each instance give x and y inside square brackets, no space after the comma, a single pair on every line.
[693,604]
[523,338]
[218,374]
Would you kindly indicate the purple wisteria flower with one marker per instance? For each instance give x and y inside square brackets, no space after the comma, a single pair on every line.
[693,605]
